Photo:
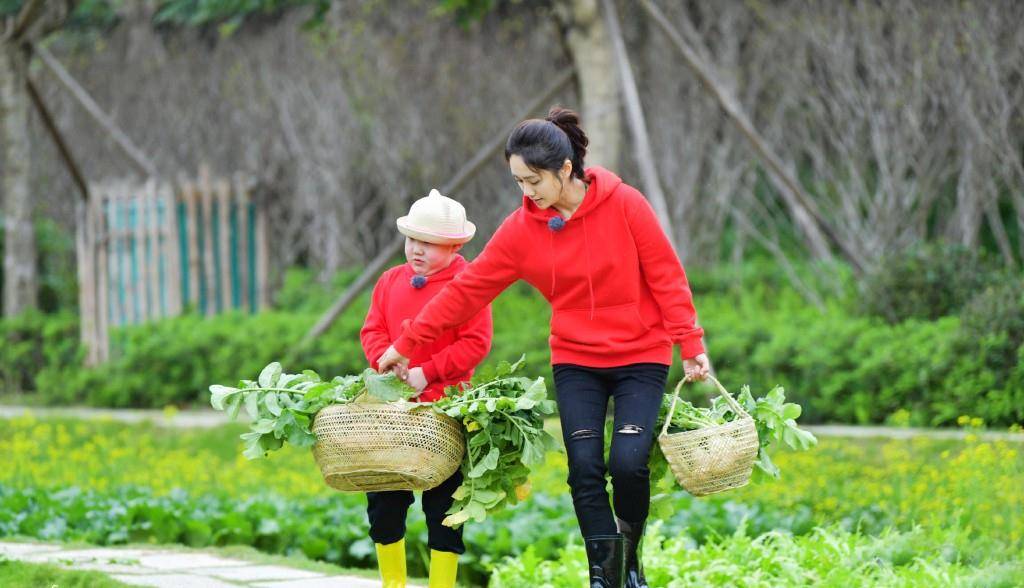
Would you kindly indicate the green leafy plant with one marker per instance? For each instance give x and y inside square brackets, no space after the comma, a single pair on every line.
[774,418]
[501,410]
[503,414]
[282,406]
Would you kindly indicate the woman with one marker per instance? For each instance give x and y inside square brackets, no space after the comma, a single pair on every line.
[593,247]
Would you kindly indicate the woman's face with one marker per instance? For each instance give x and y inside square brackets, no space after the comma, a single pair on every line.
[542,186]
[428,258]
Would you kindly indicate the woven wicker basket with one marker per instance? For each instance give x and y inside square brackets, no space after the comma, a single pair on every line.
[363,447]
[712,459]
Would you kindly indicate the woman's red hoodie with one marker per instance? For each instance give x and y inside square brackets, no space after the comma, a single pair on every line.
[617,289]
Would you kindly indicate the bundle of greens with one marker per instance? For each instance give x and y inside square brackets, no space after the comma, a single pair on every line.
[503,414]
[774,418]
[282,406]
[501,411]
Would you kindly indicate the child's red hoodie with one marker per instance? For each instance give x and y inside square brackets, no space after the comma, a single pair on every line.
[452,355]
[617,290]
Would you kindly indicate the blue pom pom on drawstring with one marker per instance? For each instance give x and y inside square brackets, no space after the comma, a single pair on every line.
[418,281]
[556,223]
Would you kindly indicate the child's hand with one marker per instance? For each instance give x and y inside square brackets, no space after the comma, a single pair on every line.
[416,379]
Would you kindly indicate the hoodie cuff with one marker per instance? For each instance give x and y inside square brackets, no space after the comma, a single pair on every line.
[404,346]
[429,371]
[691,348]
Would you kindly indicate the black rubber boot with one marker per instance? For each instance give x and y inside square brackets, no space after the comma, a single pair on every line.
[633,533]
[606,554]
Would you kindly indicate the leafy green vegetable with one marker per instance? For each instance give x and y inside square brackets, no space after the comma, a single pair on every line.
[774,418]
[503,413]
[282,406]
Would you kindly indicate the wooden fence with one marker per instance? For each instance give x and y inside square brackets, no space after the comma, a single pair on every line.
[153,250]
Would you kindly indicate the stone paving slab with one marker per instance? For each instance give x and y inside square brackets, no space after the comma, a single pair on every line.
[326,582]
[188,561]
[173,581]
[252,573]
[18,550]
[111,568]
[176,569]
[97,554]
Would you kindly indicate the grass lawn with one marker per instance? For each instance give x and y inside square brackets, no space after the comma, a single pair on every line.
[17,574]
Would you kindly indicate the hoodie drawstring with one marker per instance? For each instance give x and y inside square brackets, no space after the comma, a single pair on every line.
[554,227]
[590,280]
[551,256]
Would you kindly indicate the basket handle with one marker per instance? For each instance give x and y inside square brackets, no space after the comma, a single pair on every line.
[721,390]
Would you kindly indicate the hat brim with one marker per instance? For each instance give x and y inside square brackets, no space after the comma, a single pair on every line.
[423,234]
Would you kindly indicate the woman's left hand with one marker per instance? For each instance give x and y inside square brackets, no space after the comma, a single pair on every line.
[393,358]
[697,369]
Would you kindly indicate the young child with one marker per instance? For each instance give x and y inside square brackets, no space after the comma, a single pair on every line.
[435,229]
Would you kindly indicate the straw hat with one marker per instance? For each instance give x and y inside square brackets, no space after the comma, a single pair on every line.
[437,219]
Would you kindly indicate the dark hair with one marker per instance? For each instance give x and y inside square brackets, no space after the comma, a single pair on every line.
[547,143]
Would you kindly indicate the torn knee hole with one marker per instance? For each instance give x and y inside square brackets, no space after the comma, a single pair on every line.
[584,434]
[630,430]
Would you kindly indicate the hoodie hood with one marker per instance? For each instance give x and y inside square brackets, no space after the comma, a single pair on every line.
[445,275]
[601,183]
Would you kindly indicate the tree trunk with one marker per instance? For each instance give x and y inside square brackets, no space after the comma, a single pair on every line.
[20,280]
[586,38]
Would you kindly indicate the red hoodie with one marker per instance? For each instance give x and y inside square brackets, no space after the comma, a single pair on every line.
[617,290]
[453,353]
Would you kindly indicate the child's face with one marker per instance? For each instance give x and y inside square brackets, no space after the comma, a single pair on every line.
[428,258]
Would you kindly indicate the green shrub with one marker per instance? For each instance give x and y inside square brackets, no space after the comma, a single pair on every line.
[56,269]
[32,340]
[839,366]
[926,282]
[987,380]
[174,361]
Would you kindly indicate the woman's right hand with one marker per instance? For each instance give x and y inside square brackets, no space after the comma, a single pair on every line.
[697,369]
[391,359]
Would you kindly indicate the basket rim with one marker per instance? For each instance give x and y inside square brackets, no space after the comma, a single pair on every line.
[741,422]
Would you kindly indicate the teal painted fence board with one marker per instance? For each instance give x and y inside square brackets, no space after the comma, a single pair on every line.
[152,253]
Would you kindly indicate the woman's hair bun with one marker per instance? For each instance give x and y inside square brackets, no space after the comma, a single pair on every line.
[569,122]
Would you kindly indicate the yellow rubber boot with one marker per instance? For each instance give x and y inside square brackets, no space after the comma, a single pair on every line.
[391,561]
[444,566]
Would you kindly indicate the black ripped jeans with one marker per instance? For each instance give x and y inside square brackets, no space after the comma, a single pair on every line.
[583,394]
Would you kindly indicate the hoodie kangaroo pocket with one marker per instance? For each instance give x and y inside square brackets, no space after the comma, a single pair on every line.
[610,325]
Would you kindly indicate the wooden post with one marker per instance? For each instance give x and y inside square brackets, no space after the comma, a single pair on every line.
[101,232]
[206,193]
[116,232]
[85,251]
[224,210]
[156,254]
[172,250]
[140,200]
[131,273]
[262,256]
[242,201]
[189,192]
